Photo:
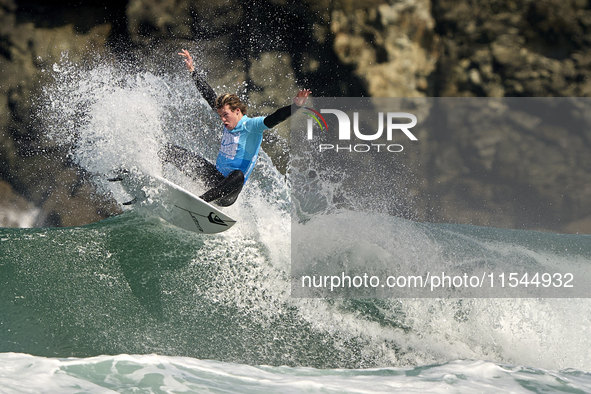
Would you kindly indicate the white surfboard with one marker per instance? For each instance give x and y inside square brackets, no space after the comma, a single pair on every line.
[174,204]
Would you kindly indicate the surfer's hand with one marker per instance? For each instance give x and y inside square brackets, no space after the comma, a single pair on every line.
[301,97]
[188,59]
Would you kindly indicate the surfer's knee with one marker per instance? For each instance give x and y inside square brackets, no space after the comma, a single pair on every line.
[236,177]
[228,200]
[226,192]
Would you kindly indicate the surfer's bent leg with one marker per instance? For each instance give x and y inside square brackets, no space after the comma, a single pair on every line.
[226,192]
[191,164]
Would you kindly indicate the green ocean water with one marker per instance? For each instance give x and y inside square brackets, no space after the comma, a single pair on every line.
[136,285]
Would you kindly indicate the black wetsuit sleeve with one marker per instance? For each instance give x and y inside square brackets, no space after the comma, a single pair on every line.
[279,116]
[206,91]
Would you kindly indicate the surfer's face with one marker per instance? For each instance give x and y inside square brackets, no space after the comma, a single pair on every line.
[229,118]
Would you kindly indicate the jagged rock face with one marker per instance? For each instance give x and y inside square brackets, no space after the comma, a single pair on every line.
[393,47]
[266,49]
[515,48]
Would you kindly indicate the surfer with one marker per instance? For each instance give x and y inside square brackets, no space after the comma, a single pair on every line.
[241,141]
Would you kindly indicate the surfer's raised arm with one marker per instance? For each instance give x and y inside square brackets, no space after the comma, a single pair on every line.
[209,94]
[199,78]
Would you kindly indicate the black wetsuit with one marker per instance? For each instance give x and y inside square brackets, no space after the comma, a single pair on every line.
[222,190]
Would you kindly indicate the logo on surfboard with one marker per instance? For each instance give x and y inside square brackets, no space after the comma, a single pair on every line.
[215,219]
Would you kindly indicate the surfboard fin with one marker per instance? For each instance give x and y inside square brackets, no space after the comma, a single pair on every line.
[130,202]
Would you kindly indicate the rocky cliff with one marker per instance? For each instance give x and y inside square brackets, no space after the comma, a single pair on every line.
[414,48]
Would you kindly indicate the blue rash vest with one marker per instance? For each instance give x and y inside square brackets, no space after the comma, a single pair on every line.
[240,146]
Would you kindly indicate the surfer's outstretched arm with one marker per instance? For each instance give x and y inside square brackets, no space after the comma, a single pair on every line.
[199,78]
[285,112]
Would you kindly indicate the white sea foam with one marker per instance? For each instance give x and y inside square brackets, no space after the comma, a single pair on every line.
[10,217]
[21,373]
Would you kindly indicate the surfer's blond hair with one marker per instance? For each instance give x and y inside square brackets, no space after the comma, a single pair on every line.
[232,101]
